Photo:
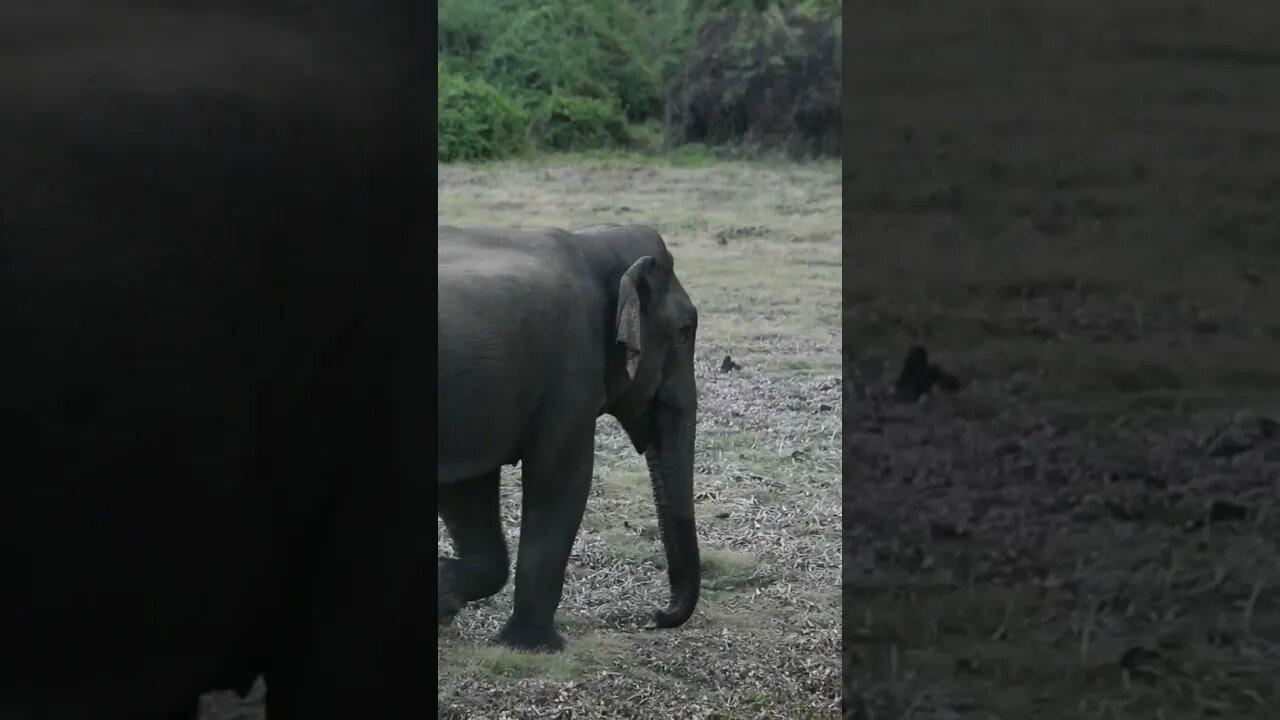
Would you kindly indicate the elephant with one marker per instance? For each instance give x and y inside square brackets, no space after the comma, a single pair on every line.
[541,332]
[212,409]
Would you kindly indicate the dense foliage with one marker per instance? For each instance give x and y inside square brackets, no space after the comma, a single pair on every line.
[566,75]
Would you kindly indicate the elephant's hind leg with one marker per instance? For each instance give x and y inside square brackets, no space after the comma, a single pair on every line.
[470,513]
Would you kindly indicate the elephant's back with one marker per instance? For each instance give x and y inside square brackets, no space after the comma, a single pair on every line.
[515,320]
[503,302]
[506,270]
[474,249]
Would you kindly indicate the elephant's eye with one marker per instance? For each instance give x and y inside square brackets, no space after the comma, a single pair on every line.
[685,335]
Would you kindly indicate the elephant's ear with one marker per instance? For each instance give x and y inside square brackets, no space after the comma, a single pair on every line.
[629,311]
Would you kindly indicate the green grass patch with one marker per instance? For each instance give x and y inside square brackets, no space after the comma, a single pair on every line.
[751,449]
[728,570]
[638,547]
[628,484]
[501,662]
[582,652]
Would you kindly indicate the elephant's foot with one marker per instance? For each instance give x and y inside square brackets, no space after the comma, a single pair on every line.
[448,600]
[531,638]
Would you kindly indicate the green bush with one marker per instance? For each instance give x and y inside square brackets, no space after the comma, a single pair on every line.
[567,122]
[589,48]
[761,81]
[712,9]
[582,69]
[575,74]
[476,121]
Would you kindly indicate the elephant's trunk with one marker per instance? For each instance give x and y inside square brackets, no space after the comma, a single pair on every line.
[670,460]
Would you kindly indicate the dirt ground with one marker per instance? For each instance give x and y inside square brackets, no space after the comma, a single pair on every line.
[1073,206]
[758,249]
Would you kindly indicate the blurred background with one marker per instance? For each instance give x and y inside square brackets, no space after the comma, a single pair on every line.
[1072,207]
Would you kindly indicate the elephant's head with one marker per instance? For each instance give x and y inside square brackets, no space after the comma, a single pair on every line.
[653,395]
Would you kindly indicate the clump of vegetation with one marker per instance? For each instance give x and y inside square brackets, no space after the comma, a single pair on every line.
[573,75]
[476,121]
[572,122]
[768,81]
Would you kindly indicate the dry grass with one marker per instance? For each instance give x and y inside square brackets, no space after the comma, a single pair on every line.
[1074,208]
[758,248]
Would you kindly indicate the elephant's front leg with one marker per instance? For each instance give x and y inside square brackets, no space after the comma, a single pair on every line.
[470,510]
[556,480]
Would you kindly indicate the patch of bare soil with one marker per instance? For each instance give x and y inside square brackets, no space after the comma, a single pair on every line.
[1072,206]
[998,564]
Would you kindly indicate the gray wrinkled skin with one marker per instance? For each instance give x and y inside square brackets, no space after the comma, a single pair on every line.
[540,333]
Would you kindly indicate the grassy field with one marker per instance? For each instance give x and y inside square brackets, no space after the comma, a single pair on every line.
[758,248]
[1074,208]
